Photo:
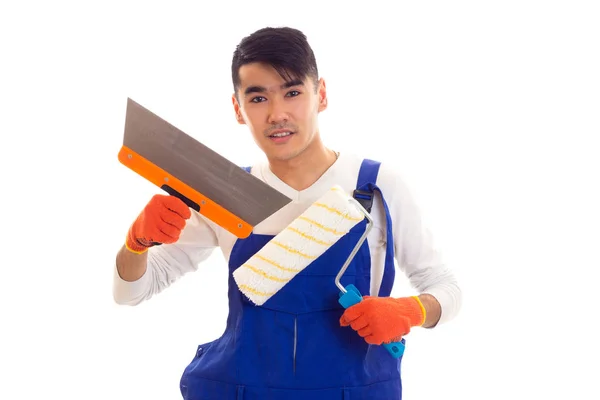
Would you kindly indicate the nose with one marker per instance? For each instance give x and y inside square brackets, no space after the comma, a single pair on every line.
[277,111]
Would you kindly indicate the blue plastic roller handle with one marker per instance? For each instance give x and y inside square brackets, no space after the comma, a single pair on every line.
[352,297]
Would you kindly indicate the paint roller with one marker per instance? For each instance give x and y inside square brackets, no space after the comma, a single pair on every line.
[305,239]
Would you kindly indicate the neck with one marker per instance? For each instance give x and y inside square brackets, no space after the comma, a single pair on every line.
[305,168]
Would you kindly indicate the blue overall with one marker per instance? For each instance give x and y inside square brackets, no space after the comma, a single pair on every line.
[293,347]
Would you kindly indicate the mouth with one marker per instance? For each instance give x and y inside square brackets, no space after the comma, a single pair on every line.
[281,136]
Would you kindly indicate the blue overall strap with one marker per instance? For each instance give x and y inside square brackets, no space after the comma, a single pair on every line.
[364,193]
[247,169]
[366,175]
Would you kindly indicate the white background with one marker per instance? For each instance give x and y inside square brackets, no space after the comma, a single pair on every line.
[490,109]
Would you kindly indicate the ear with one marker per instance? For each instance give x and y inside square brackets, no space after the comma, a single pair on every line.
[238,110]
[322,92]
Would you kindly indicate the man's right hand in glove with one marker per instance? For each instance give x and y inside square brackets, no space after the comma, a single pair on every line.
[161,221]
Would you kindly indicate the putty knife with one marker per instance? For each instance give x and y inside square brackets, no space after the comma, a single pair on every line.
[206,181]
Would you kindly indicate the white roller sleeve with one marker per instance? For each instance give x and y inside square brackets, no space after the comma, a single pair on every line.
[294,248]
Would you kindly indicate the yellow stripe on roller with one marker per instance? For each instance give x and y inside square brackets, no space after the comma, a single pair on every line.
[325,228]
[309,237]
[336,211]
[256,292]
[263,273]
[293,251]
[281,267]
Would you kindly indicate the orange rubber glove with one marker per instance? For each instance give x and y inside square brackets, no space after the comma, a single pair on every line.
[161,221]
[384,319]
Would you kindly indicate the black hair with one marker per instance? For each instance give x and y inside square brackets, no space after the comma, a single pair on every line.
[285,49]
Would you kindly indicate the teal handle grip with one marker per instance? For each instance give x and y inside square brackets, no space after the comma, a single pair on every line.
[352,297]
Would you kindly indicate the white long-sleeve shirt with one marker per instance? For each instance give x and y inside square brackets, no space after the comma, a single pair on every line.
[415,254]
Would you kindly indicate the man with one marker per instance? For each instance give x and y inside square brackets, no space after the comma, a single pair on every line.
[290,349]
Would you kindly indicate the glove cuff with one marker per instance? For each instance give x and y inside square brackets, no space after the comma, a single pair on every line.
[134,245]
[420,313]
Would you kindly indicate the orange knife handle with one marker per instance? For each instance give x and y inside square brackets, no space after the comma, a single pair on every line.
[189,196]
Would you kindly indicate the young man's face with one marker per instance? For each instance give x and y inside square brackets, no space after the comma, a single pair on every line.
[282,116]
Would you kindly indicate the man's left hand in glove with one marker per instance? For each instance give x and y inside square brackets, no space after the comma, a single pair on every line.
[384,319]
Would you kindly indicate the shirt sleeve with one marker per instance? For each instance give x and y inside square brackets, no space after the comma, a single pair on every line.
[416,254]
[169,262]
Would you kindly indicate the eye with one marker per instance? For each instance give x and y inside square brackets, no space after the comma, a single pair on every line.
[293,93]
[257,99]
